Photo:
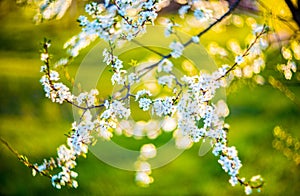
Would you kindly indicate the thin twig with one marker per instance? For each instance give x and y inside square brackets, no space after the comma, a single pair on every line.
[218,20]
[24,160]
[263,31]
[230,10]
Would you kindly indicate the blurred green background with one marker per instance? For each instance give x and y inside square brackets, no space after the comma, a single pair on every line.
[35,126]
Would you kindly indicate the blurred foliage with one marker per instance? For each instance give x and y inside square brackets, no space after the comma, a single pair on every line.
[35,127]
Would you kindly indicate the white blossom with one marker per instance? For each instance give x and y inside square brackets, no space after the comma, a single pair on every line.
[183,10]
[203,14]
[288,69]
[44,56]
[233,181]
[78,42]
[51,9]
[166,80]
[144,103]
[132,78]
[170,27]
[165,66]
[195,39]
[163,107]
[118,77]
[177,49]
[248,190]
[117,64]
[61,62]
[54,76]
[116,109]
[103,129]
[195,113]
[239,59]
[142,93]
[43,68]
[57,92]
[258,29]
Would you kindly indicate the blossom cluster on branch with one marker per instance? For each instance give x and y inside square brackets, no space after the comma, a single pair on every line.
[198,117]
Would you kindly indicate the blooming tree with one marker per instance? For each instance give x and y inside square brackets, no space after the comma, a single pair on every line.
[189,101]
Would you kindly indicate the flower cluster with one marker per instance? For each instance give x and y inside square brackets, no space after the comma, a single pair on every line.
[191,112]
[51,9]
[54,90]
[118,19]
[114,110]
[165,66]
[78,142]
[291,54]
[166,80]
[177,49]
[88,99]
[117,65]
[170,27]
[163,106]
[77,43]
[203,11]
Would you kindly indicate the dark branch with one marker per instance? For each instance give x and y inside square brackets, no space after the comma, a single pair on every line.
[295,11]
[230,10]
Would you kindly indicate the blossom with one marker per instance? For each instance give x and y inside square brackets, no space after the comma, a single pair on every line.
[132,78]
[61,62]
[195,111]
[177,49]
[144,103]
[255,178]
[229,161]
[199,14]
[117,64]
[88,98]
[57,92]
[118,78]
[43,68]
[203,14]
[233,181]
[288,69]
[183,10]
[81,98]
[218,149]
[248,190]
[239,59]
[44,56]
[108,28]
[116,109]
[195,39]
[163,107]
[54,76]
[103,129]
[142,93]
[166,80]
[83,20]
[165,66]
[170,27]
[52,10]
[258,29]
[78,42]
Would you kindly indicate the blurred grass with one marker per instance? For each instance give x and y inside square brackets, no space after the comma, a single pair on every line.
[35,127]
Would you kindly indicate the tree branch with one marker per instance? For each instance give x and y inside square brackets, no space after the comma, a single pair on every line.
[230,10]
[295,11]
